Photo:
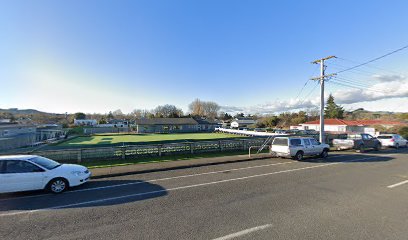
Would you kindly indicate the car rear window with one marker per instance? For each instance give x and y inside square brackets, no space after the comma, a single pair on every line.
[384,137]
[280,142]
[295,142]
[356,136]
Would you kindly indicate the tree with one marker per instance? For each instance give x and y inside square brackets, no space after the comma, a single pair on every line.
[118,114]
[196,108]
[403,132]
[168,111]
[239,115]
[7,115]
[224,116]
[211,109]
[333,110]
[204,109]
[79,115]
[298,118]
[110,115]
[102,121]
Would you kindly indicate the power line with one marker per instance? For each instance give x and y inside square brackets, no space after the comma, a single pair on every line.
[358,83]
[304,85]
[372,66]
[355,86]
[314,88]
[372,60]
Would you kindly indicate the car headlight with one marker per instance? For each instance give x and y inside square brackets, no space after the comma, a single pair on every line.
[77,173]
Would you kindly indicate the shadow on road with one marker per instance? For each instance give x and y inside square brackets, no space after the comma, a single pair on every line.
[350,158]
[109,192]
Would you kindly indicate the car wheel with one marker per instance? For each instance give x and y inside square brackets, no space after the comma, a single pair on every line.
[377,147]
[299,156]
[361,148]
[325,153]
[57,185]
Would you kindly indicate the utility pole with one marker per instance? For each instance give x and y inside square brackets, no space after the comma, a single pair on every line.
[321,79]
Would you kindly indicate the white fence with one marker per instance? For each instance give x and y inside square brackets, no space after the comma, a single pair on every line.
[248,133]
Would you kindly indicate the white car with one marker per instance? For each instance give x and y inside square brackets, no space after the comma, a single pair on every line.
[30,172]
[392,140]
[298,147]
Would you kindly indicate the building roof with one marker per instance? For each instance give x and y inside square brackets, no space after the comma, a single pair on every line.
[335,121]
[166,121]
[15,125]
[205,121]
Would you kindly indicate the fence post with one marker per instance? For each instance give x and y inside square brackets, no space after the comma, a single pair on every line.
[79,159]
[192,148]
[123,152]
[159,147]
[220,145]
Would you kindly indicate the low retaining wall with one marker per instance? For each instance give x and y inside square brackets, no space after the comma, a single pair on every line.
[158,150]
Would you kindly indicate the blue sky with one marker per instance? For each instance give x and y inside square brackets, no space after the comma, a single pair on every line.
[97,56]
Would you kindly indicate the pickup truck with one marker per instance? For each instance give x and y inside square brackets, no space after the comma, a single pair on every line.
[360,142]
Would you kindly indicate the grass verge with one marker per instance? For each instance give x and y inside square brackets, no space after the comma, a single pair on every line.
[124,162]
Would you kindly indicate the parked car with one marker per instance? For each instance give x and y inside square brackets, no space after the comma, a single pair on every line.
[360,142]
[298,147]
[30,172]
[392,140]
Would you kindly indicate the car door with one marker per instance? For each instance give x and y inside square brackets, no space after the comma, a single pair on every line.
[373,141]
[21,175]
[401,141]
[3,184]
[308,147]
[317,147]
[366,140]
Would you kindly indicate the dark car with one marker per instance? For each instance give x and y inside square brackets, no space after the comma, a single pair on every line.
[360,142]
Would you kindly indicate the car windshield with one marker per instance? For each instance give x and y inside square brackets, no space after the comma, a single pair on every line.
[45,162]
[384,137]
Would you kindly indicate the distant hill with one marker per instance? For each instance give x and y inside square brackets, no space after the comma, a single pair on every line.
[15,111]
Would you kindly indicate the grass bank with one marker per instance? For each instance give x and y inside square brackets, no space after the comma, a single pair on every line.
[125,162]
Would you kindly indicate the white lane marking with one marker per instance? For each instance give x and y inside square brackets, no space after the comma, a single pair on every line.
[177,188]
[153,180]
[157,180]
[244,232]
[398,184]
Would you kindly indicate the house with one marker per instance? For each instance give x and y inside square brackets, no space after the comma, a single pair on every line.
[174,125]
[115,123]
[85,122]
[113,126]
[344,126]
[206,125]
[16,135]
[13,129]
[242,122]
[49,131]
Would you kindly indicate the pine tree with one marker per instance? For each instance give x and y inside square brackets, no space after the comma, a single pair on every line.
[333,110]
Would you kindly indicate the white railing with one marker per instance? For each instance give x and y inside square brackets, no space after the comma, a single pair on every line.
[248,133]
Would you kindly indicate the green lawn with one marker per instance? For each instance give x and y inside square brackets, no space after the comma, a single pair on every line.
[143,138]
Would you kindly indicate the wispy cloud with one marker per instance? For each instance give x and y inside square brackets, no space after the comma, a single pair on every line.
[383,87]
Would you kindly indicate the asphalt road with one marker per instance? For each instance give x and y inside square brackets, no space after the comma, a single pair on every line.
[347,196]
